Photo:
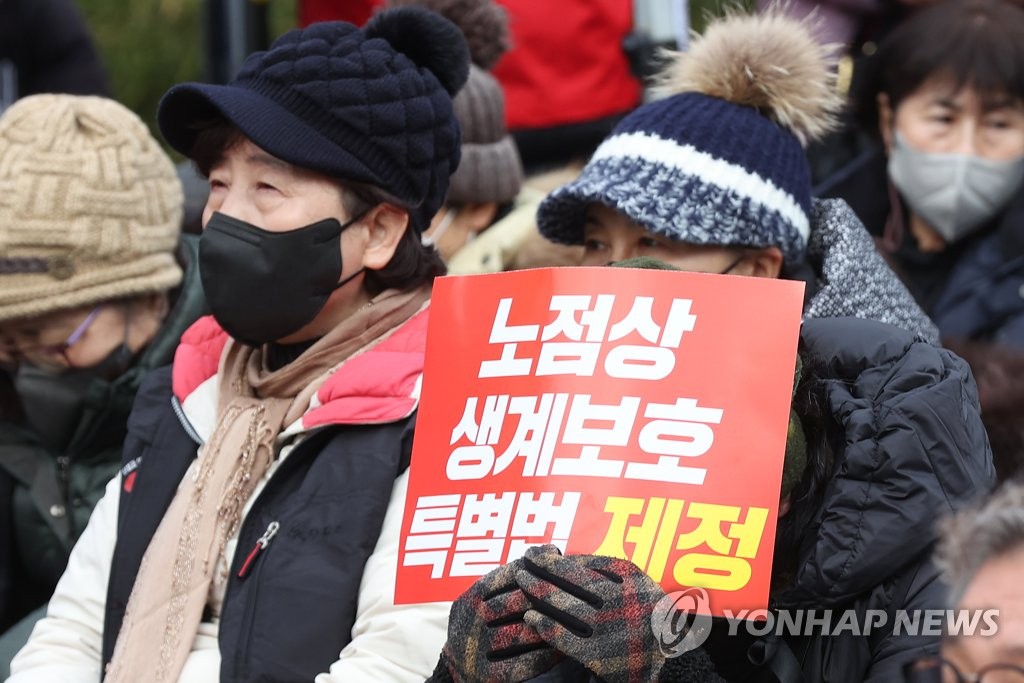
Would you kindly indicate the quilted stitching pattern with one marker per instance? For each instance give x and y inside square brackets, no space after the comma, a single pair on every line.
[354,107]
[359,87]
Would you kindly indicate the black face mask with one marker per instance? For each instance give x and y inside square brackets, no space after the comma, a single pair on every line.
[263,286]
[53,401]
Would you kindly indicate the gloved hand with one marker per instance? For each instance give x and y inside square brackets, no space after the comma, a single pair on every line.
[596,610]
[487,637]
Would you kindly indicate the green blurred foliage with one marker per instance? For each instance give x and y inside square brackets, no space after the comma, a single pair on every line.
[149,45]
[703,10]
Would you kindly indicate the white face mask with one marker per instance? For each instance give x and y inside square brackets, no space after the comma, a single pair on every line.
[953,193]
[433,238]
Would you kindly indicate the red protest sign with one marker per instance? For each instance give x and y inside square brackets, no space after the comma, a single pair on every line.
[633,413]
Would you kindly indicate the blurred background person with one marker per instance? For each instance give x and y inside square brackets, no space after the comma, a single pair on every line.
[941,191]
[46,47]
[569,74]
[92,296]
[980,554]
[567,79]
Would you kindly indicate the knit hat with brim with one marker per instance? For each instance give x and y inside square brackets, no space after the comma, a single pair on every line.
[371,105]
[90,206]
[719,160]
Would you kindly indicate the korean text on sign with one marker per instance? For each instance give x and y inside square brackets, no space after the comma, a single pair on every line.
[611,411]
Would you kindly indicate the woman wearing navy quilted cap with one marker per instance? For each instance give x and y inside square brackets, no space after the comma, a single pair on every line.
[252,532]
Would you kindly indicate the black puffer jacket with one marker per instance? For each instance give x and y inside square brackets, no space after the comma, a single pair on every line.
[901,417]
[909,448]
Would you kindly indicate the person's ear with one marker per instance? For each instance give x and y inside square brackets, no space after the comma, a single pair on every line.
[765,262]
[785,504]
[477,216]
[885,120]
[385,226]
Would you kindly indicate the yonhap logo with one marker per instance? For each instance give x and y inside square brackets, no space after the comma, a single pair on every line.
[681,621]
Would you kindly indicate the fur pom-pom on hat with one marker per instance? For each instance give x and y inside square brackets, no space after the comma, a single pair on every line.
[768,61]
[719,159]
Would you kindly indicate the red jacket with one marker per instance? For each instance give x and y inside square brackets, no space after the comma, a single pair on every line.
[566,64]
[353,11]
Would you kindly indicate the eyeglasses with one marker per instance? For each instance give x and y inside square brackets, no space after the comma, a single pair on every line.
[938,670]
[73,338]
[58,349]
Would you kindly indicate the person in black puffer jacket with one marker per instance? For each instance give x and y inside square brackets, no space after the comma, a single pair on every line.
[712,179]
[894,441]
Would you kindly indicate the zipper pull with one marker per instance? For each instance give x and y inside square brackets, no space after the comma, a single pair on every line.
[261,544]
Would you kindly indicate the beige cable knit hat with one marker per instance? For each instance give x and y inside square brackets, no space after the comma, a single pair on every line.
[90,206]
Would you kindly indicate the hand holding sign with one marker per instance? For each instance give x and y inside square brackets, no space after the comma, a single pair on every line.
[597,610]
[488,639]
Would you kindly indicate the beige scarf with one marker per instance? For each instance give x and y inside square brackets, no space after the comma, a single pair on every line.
[255,404]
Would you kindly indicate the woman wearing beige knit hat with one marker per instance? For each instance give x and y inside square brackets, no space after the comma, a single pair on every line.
[91,297]
[252,532]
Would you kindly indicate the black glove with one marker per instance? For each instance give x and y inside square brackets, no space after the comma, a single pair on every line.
[596,610]
[487,637]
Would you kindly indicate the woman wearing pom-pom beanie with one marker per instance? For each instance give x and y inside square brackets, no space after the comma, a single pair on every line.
[713,177]
[252,532]
[885,433]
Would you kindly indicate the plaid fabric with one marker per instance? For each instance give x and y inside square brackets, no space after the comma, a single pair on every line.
[596,610]
[488,640]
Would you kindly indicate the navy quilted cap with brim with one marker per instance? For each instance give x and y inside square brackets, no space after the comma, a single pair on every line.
[371,105]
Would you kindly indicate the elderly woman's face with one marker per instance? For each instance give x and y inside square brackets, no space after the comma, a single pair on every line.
[253,186]
[996,586]
[936,118]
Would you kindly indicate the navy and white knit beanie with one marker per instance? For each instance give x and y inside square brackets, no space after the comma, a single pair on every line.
[720,159]
[371,105]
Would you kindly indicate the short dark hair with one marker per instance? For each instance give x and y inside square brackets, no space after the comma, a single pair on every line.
[971,42]
[413,264]
[215,138]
